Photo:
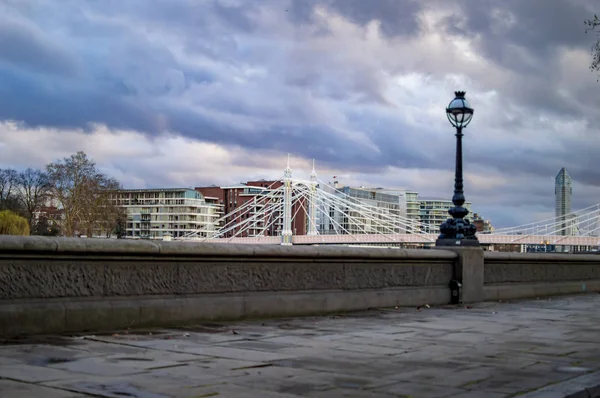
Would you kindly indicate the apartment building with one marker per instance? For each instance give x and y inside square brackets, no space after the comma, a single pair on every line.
[482,225]
[350,219]
[434,211]
[244,204]
[174,212]
[430,212]
[412,203]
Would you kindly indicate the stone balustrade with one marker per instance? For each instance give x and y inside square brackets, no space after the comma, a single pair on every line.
[62,285]
[523,275]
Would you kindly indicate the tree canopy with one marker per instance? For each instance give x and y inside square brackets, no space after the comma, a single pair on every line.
[593,26]
[84,195]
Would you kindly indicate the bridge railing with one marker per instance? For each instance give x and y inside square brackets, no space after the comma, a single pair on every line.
[62,285]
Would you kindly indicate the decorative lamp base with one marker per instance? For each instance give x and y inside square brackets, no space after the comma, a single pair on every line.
[457,232]
[456,242]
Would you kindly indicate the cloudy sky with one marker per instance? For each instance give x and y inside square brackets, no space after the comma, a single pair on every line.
[187,93]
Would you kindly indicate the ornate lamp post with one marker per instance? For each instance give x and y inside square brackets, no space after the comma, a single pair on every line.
[458,231]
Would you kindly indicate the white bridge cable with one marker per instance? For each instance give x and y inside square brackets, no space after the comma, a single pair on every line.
[350,208]
[347,232]
[312,220]
[307,197]
[238,214]
[375,213]
[240,210]
[270,212]
[277,208]
[548,227]
[247,222]
[368,212]
[346,199]
[592,222]
[561,224]
[257,216]
[372,213]
[245,225]
[596,228]
[586,224]
[550,222]
[357,221]
[242,227]
[272,220]
[256,200]
[306,193]
[266,213]
[298,195]
[336,224]
[407,222]
[274,217]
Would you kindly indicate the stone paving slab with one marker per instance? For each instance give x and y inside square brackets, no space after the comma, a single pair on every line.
[544,347]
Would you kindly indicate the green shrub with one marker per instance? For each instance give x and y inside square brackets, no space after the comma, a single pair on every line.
[13,224]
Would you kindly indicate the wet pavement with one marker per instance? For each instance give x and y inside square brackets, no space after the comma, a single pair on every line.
[487,350]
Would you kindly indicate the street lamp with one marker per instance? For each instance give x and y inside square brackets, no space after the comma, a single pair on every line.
[458,231]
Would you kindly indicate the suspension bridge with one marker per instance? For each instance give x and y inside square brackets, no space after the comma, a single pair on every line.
[329,216]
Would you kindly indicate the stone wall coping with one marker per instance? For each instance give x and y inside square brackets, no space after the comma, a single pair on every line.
[541,257]
[128,247]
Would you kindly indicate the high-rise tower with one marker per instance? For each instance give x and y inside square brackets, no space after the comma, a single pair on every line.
[563,191]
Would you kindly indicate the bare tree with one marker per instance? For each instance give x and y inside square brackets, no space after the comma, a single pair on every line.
[83,192]
[593,26]
[33,187]
[8,183]
[101,214]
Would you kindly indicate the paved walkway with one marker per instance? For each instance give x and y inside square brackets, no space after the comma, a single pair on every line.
[490,350]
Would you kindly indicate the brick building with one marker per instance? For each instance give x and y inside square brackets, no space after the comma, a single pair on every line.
[482,225]
[235,200]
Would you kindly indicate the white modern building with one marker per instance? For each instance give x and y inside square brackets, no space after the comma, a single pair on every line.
[171,212]
[430,212]
[434,211]
[384,206]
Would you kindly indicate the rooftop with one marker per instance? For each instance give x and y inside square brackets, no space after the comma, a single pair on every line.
[545,347]
[156,190]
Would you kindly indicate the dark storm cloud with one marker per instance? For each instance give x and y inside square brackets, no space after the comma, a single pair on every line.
[350,81]
[37,103]
[539,26]
[25,45]
[246,73]
[317,141]
[207,27]
[397,17]
[526,37]
[121,68]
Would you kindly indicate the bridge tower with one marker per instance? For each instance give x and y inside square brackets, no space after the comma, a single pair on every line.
[286,231]
[312,206]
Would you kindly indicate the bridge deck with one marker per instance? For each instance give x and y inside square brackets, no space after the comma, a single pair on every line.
[418,239]
[490,350]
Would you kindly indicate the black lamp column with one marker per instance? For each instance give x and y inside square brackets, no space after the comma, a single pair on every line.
[458,231]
